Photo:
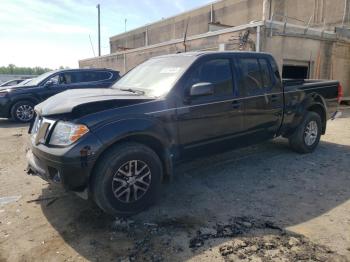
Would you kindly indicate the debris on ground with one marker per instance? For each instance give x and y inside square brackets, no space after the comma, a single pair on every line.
[260,240]
[40,199]
[237,227]
[244,239]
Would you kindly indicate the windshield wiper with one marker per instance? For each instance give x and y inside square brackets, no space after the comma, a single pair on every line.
[135,91]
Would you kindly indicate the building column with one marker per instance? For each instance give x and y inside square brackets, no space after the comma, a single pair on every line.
[266,10]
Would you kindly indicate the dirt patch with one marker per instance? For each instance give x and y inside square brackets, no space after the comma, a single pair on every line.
[262,240]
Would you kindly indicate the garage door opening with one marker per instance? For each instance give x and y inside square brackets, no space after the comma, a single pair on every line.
[295,72]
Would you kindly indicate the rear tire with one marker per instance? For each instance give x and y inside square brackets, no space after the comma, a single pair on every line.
[22,111]
[307,136]
[127,179]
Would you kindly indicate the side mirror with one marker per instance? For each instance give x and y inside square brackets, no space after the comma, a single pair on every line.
[49,83]
[202,89]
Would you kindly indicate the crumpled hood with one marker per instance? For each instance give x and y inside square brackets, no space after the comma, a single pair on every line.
[88,101]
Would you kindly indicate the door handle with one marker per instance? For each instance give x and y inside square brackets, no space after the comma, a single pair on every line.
[236,104]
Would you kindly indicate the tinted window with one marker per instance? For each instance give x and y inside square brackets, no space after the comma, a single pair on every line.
[103,75]
[68,78]
[217,72]
[91,76]
[251,79]
[275,70]
[54,79]
[265,73]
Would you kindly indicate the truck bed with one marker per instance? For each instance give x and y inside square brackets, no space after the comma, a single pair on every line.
[297,90]
[302,84]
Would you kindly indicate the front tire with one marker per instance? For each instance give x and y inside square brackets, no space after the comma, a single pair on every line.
[307,136]
[22,111]
[127,179]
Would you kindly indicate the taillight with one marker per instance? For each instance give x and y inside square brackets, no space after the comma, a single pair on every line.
[340,93]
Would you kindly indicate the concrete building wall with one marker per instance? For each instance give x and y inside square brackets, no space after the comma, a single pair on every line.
[326,53]
[227,12]
[327,57]
[340,69]
[124,61]
[318,12]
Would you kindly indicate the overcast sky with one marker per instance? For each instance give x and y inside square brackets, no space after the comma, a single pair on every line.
[56,33]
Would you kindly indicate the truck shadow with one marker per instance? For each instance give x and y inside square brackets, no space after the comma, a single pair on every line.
[266,182]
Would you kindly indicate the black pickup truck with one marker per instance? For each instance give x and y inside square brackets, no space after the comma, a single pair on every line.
[117,145]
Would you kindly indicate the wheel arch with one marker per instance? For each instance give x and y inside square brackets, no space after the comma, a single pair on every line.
[311,103]
[18,100]
[148,140]
[321,111]
[22,99]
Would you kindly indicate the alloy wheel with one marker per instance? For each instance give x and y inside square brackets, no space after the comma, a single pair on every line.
[25,112]
[311,133]
[131,181]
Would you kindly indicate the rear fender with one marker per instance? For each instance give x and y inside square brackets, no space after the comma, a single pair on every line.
[312,102]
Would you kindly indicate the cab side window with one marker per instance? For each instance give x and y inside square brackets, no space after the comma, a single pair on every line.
[216,71]
[255,76]
[251,79]
[265,73]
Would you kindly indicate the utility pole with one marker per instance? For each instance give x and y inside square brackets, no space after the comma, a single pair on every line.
[125,21]
[99,30]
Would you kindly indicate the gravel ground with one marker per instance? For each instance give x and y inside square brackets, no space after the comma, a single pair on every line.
[262,203]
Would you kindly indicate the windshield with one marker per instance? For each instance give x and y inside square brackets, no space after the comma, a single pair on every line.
[156,76]
[25,82]
[37,80]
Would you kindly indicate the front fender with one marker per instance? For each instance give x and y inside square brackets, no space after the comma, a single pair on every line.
[118,130]
[148,128]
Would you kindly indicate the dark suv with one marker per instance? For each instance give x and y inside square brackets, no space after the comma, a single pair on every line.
[18,101]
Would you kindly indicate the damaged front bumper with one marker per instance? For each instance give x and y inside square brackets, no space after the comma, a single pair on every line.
[69,167]
[36,168]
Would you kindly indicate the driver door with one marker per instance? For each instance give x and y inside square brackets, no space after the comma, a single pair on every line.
[53,86]
[209,119]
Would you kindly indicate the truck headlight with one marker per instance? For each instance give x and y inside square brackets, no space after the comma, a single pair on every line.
[66,133]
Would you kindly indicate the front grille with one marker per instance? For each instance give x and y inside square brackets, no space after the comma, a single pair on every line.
[41,130]
[37,124]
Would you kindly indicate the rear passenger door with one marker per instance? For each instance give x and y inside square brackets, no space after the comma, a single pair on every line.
[263,103]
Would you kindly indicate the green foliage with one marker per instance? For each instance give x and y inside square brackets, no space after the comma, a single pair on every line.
[11,69]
